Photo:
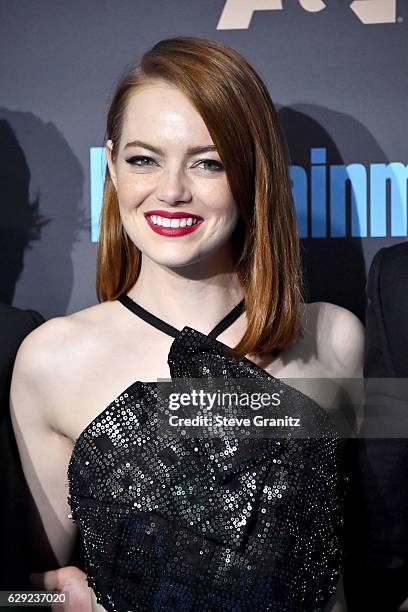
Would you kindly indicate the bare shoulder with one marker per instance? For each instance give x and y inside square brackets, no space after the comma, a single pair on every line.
[338,336]
[59,345]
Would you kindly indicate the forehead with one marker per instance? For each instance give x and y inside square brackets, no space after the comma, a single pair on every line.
[159,110]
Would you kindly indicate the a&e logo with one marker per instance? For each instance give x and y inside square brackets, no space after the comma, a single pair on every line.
[237,14]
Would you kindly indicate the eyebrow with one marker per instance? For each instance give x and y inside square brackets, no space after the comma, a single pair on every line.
[158,151]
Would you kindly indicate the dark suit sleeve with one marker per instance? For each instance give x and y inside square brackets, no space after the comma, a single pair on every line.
[15,325]
[377,362]
[35,317]
[376,573]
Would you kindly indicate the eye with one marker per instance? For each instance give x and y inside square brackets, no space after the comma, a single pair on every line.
[217,166]
[134,161]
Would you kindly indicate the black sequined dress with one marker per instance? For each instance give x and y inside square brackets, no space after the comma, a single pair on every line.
[198,524]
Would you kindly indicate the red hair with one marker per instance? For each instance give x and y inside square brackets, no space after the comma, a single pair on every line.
[241,118]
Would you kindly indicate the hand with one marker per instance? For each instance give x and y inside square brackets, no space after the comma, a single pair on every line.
[404,606]
[70,579]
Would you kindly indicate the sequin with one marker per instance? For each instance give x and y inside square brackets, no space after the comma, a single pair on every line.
[199,524]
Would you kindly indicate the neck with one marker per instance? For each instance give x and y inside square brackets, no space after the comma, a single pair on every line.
[199,295]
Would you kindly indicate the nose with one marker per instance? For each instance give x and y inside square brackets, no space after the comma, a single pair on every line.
[172,186]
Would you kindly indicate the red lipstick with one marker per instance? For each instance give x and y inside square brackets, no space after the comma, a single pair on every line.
[173,231]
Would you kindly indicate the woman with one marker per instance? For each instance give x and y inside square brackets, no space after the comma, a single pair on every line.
[193,134]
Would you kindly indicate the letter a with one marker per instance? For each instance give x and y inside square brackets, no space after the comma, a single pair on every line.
[237,14]
[375,11]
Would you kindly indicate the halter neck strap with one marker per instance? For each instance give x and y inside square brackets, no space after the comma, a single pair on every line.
[172,331]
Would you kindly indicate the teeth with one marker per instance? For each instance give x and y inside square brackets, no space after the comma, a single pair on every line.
[165,222]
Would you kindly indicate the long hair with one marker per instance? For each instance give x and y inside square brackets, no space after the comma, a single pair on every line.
[243,123]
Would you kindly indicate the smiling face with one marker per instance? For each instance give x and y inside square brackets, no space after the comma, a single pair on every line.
[166,166]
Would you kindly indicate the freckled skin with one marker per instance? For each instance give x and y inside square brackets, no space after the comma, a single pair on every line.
[163,116]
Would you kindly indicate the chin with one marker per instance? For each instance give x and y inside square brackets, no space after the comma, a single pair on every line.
[175,262]
[177,258]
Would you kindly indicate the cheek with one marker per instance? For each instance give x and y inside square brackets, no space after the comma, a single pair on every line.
[131,193]
[220,202]
[229,210]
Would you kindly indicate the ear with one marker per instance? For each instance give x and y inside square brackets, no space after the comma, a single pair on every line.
[111,163]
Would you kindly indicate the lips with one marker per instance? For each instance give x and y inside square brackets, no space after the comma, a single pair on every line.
[172,215]
[195,221]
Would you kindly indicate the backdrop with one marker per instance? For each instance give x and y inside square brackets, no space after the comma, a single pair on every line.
[336,70]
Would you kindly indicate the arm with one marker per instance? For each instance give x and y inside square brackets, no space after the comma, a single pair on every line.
[340,347]
[43,449]
[70,580]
